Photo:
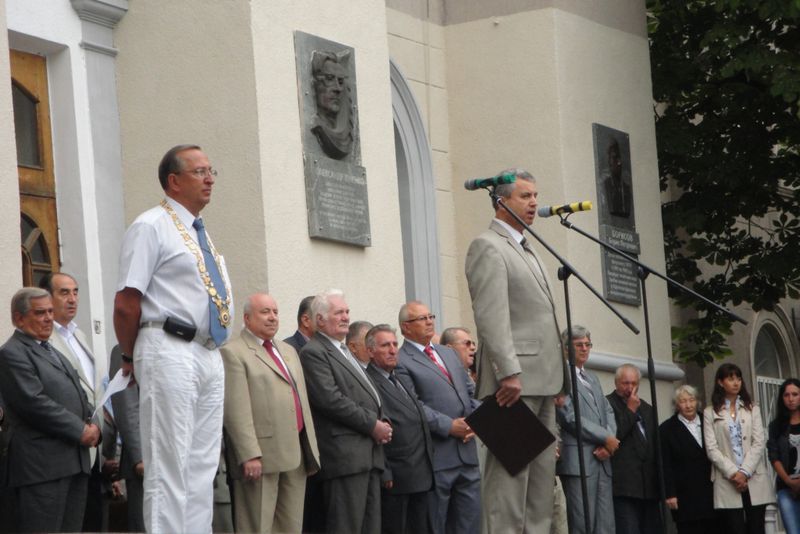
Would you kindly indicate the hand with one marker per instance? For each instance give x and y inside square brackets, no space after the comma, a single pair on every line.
[559,400]
[389,484]
[460,429]
[116,490]
[127,369]
[509,392]
[633,401]
[794,485]
[470,435]
[739,480]
[139,468]
[612,444]
[110,468]
[251,469]
[382,432]
[601,453]
[672,503]
[90,436]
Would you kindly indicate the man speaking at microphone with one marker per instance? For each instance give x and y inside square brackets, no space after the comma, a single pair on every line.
[519,358]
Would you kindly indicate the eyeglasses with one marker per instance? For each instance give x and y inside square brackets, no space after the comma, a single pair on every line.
[582,345]
[430,317]
[467,342]
[203,172]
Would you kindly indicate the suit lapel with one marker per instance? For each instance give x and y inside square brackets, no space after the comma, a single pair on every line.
[422,358]
[588,396]
[387,388]
[538,273]
[260,353]
[62,345]
[337,355]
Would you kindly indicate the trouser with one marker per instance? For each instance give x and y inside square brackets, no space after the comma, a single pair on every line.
[273,503]
[636,516]
[181,395]
[746,520]
[54,506]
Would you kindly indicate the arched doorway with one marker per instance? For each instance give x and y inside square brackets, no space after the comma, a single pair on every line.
[417,193]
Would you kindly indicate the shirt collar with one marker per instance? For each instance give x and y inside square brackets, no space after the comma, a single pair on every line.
[183,214]
[418,345]
[511,230]
[255,336]
[336,342]
[693,422]
[65,331]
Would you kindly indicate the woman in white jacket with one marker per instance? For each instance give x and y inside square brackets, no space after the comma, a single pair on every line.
[735,443]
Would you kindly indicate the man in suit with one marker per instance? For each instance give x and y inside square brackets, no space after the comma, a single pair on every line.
[305,326]
[70,341]
[131,465]
[271,446]
[435,374]
[634,464]
[48,456]
[600,442]
[355,338]
[348,418]
[408,477]
[519,353]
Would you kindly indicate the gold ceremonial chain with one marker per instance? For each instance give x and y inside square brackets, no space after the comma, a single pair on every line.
[223,307]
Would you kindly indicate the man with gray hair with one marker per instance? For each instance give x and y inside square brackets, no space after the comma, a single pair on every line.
[519,355]
[634,464]
[48,456]
[355,341]
[348,418]
[598,432]
[172,312]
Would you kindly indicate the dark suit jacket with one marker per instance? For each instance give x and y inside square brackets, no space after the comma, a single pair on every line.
[296,340]
[344,410]
[634,463]
[47,409]
[687,471]
[441,400]
[126,416]
[409,456]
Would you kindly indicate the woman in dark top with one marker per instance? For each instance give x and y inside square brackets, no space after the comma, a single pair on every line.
[687,469]
[783,450]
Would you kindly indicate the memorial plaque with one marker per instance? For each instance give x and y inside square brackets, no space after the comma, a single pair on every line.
[336,183]
[613,181]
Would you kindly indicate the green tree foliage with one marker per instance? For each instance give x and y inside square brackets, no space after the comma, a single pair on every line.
[726,79]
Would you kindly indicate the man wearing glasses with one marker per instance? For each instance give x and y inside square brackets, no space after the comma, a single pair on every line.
[434,373]
[172,312]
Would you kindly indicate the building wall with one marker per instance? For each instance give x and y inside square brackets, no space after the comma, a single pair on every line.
[9,216]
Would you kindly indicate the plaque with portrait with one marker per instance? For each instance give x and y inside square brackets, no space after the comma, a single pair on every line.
[614,184]
[336,183]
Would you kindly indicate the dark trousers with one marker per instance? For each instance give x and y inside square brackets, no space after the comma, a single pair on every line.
[746,520]
[701,526]
[353,503]
[405,514]
[314,509]
[636,516]
[55,506]
[93,514]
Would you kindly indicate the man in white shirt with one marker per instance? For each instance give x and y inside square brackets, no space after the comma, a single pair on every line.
[171,314]
[68,339]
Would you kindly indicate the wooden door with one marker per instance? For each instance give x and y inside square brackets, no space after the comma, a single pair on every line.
[37,189]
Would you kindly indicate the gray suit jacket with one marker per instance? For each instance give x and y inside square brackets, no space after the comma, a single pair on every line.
[344,410]
[126,416]
[514,314]
[441,400]
[597,420]
[47,410]
[409,456]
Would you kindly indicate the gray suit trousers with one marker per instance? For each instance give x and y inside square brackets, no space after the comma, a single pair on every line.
[601,503]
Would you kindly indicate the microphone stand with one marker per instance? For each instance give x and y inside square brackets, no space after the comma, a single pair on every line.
[643,271]
[564,272]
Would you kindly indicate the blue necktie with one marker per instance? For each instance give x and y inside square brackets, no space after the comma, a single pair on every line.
[217,331]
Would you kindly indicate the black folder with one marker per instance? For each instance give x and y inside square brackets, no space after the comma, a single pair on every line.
[513,434]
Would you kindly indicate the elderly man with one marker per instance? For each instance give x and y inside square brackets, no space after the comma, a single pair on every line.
[265,389]
[599,430]
[634,464]
[519,353]
[48,456]
[355,341]
[171,314]
[460,340]
[70,341]
[348,418]
[435,374]
[305,326]
[408,477]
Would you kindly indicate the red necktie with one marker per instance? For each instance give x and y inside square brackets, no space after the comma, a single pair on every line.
[429,351]
[285,372]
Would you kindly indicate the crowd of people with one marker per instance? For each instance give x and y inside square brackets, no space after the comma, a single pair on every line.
[341,428]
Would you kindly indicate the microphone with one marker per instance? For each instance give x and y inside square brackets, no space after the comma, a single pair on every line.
[480,183]
[549,211]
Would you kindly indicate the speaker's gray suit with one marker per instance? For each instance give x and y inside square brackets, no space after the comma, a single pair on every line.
[456,500]
[597,420]
[345,410]
[517,335]
[47,410]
